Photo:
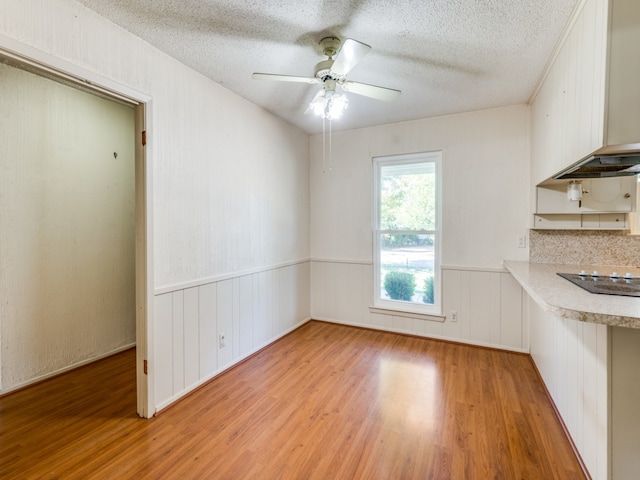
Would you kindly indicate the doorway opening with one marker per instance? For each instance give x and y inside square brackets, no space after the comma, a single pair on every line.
[107,200]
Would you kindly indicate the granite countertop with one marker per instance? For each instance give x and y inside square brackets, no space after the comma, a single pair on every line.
[564,299]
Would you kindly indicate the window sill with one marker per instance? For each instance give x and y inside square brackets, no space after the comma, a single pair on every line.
[403,313]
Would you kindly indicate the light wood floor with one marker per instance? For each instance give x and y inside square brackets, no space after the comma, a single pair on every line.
[325,402]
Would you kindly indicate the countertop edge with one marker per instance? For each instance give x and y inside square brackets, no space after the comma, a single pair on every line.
[529,276]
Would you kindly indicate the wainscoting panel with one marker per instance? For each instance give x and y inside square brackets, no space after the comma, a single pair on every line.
[571,357]
[163,342]
[208,329]
[191,332]
[513,331]
[482,316]
[488,304]
[225,321]
[245,318]
[250,310]
[177,339]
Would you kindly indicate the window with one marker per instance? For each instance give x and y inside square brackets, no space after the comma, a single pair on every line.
[407,232]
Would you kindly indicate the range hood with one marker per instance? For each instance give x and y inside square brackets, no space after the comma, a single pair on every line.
[608,161]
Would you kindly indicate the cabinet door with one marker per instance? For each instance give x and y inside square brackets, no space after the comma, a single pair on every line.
[553,199]
[548,122]
[617,194]
[592,74]
[557,222]
[612,221]
[567,120]
[587,221]
[602,195]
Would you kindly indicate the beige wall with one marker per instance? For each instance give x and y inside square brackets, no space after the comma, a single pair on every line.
[230,191]
[222,166]
[66,226]
[485,165]
[485,186]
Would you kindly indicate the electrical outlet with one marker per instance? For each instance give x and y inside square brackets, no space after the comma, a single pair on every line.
[222,340]
[454,316]
[522,241]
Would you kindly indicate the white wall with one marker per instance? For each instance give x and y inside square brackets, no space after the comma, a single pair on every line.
[66,227]
[222,165]
[230,181]
[485,209]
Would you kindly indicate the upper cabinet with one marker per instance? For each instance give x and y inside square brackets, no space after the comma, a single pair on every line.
[590,96]
[605,195]
[622,123]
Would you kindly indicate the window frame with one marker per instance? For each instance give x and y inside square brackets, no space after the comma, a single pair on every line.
[434,157]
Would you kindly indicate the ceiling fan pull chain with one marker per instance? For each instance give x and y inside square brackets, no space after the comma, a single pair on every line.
[330,148]
[324,143]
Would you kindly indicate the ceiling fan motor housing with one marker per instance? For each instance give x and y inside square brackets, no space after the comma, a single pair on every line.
[323,69]
[330,46]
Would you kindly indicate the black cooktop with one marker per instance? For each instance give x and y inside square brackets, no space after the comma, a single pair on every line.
[627,286]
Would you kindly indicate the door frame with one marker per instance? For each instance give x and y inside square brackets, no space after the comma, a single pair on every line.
[31,59]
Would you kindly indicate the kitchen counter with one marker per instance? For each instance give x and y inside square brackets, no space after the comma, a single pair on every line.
[564,299]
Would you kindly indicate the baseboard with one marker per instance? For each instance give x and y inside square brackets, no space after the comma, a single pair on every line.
[61,371]
[443,338]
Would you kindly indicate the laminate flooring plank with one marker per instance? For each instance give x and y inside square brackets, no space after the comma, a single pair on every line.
[324,402]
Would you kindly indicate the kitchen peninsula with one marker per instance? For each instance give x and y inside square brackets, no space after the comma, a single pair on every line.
[560,297]
[586,348]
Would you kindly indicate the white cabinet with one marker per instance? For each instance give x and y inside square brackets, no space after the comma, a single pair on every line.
[602,221]
[603,195]
[590,96]
[604,205]
[568,111]
[623,92]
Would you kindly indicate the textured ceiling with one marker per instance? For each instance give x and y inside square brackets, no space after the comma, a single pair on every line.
[447,56]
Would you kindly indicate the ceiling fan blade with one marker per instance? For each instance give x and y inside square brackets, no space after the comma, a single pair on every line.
[349,55]
[285,78]
[373,91]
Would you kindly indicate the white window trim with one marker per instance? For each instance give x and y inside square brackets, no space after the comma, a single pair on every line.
[396,305]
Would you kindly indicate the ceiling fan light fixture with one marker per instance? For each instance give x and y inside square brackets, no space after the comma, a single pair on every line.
[329,105]
[318,104]
[336,106]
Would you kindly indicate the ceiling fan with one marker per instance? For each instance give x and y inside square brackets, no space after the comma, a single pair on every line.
[332,73]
